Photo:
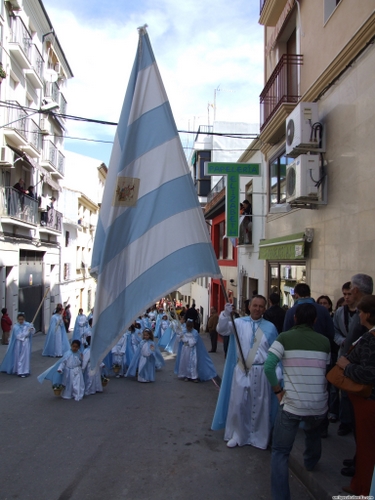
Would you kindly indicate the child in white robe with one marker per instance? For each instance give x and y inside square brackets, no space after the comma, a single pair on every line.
[17,358]
[118,356]
[71,369]
[188,361]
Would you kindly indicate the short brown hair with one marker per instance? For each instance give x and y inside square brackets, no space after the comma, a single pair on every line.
[367,305]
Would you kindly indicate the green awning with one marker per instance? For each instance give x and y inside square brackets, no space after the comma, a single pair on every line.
[291,247]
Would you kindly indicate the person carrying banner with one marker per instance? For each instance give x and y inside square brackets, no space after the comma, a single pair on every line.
[246,405]
[57,342]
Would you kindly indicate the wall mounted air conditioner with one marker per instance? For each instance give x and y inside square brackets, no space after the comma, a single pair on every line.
[301,180]
[45,126]
[304,132]
[6,157]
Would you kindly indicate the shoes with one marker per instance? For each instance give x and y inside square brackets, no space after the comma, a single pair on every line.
[195,380]
[23,376]
[348,471]
[348,462]
[344,429]
[232,443]
[186,379]
[332,419]
[347,489]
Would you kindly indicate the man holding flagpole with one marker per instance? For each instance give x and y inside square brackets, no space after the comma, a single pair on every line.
[246,405]
[148,192]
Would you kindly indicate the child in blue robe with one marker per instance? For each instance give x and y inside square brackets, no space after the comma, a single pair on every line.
[18,355]
[193,361]
[146,359]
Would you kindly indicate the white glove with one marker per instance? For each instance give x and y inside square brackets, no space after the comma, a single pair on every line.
[228,309]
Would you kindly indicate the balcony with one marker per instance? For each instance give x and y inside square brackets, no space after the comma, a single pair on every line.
[22,132]
[35,73]
[53,160]
[19,206]
[270,11]
[51,220]
[20,43]
[280,95]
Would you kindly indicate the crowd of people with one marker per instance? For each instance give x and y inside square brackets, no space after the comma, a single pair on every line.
[276,361]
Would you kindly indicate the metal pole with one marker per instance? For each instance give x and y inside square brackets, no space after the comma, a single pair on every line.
[40,305]
[235,329]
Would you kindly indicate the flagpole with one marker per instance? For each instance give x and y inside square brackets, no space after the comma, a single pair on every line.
[234,328]
[40,305]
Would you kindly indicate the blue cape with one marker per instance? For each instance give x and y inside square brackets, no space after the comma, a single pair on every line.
[205,366]
[159,360]
[49,346]
[221,411]
[51,373]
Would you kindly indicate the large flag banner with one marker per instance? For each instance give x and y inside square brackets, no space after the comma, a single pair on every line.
[151,236]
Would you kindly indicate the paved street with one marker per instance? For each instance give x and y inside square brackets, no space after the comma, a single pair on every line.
[135,441]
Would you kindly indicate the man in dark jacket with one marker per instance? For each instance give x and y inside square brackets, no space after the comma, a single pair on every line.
[324,322]
[275,313]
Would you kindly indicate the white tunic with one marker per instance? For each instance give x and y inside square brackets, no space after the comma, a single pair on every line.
[248,420]
[22,348]
[93,383]
[188,357]
[72,379]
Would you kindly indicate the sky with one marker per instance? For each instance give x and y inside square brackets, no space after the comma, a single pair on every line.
[204,49]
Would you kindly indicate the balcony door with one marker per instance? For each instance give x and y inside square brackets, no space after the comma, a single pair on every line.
[292,84]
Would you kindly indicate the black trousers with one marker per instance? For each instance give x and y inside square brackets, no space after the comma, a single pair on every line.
[213,337]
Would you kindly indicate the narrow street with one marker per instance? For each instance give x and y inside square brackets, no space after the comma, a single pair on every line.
[135,441]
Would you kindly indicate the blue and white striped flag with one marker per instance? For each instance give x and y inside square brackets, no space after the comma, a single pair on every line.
[151,236]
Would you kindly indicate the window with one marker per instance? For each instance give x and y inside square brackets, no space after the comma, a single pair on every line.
[277,179]
[67,238]
[329,7]
[283,277]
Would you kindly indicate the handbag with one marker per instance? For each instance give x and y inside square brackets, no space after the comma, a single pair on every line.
[338,379]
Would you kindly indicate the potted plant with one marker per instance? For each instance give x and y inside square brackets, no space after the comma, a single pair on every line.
[57,388]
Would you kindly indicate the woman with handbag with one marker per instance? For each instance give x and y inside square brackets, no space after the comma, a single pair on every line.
[359,366]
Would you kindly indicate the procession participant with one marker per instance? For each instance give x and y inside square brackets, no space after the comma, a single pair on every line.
[119,364]
[146,359]
[193,362]
[71,369]
[93,382]
[56,341]
[18,355]
[80,325]
[246,406]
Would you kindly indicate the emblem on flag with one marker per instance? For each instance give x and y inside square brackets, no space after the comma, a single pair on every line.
[126,194]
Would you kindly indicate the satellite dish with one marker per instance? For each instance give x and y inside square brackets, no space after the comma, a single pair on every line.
[51,75]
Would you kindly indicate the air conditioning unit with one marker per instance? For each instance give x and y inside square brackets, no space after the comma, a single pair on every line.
[304,132]
[6,156]
[301,180]
[45,126]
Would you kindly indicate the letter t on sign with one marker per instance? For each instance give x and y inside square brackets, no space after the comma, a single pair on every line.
[233,171]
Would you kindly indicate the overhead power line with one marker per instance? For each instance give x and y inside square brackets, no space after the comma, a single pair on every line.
[231,135]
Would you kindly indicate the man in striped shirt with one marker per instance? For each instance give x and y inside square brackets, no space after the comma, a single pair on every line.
[305,355]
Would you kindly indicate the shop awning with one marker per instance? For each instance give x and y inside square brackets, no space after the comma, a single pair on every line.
[291,247]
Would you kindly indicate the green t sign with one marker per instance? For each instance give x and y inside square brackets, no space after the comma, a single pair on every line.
[233,171]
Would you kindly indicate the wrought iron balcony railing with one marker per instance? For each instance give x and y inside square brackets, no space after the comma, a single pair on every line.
[18,205]
[217,188]
[51,219]
[282,87]
[21,36]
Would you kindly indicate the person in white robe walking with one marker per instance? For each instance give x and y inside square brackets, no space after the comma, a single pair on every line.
[246,404]
[72,377]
